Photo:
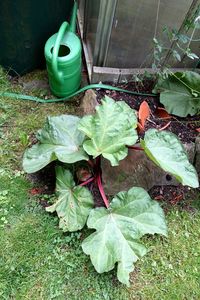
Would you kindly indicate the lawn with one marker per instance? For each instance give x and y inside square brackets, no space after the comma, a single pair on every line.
[38,261]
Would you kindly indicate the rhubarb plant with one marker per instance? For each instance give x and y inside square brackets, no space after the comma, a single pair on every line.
[121,223]
[180,93]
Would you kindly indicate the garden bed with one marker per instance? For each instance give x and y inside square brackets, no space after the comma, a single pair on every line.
[184,128]
[39,261]
[133,171]
[137,169]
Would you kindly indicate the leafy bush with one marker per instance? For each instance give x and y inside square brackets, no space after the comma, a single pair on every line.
[119,225]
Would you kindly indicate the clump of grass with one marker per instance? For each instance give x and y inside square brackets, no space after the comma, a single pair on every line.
[20,120]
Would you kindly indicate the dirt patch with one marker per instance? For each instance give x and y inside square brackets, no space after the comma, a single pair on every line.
[184,128]
[181,196]
[96,194]
[132,100]
[44,179]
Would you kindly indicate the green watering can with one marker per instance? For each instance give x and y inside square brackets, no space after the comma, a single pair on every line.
[63,58]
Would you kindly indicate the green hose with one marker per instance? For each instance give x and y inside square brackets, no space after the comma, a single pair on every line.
[85,88]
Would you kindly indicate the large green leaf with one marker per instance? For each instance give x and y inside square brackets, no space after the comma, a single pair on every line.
[74,202]
[165,149]
[180,93]
[59,139]
[110,130]
[118,229]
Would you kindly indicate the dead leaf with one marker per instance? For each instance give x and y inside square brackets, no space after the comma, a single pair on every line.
[144,113]
[36,191]
[161,113]
[176,199]
[139,128]
[159,197]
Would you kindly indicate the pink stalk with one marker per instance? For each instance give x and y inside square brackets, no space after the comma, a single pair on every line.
[135,148]
[101,190]
[87,181]
[164,127]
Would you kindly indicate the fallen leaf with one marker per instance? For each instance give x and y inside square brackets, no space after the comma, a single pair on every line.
[198,129]
[159,197]
[176,199]
[161,113]
[139,128]
[36,191]
[144,113]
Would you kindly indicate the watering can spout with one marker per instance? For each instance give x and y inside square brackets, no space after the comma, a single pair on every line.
[72,26]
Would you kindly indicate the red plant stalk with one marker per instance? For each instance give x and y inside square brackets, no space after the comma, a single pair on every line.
[99,183]
[101,190]
[87,181]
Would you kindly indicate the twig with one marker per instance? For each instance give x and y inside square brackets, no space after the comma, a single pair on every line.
[164,127]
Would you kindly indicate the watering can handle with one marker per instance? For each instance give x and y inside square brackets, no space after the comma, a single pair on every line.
[61,32]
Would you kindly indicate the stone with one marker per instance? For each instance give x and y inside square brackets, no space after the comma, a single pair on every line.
[36,84]
[137,170]
[88,103]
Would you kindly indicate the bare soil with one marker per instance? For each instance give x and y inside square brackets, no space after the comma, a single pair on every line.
[184,128]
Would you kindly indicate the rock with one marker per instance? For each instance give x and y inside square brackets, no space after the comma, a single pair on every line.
[88,103]
[138,170]
[38,84]
[190,149]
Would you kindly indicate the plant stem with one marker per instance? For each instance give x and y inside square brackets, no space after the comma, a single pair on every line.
[87,181]
[99,182]
[101,190]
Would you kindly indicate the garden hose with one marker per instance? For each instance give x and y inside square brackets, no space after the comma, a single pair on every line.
[85,88]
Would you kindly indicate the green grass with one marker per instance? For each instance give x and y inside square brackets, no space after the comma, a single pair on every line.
[38,261]
[172,269]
